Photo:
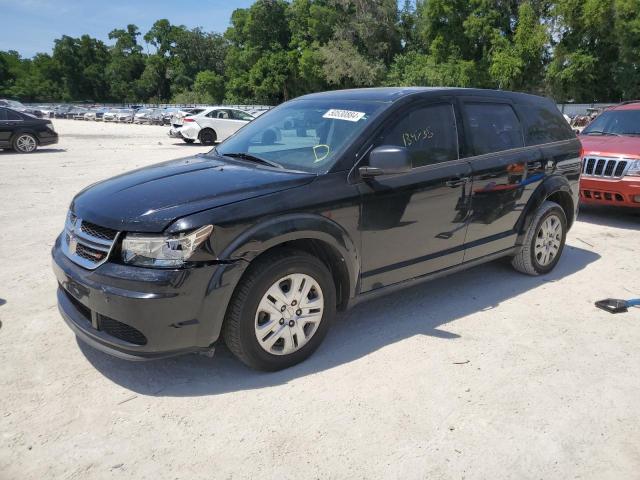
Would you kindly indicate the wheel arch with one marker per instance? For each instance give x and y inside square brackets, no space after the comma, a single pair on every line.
[310,233]
[22,130]
[556,189]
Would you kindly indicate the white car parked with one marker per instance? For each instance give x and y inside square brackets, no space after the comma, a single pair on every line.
[125,116]
[213,124]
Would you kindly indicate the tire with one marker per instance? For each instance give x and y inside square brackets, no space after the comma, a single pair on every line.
[207,137]
[25,143]
[188,140]
[254,334]
[544,241]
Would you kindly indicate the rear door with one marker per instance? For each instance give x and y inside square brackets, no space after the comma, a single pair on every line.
[414,223]
[5,128]
[505,172]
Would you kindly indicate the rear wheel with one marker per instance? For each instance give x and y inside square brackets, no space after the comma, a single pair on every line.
[543,242]
[25,143]
[281,310]
[207,137]
[188,140]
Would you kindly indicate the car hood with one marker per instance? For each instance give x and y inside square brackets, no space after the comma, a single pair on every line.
[611,145]
[151,198]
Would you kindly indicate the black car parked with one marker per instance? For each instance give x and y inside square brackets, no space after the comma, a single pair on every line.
[23,132]
[324,201]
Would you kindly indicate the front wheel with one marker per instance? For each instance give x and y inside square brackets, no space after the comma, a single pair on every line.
[25,143]
[543,242]
[280,311]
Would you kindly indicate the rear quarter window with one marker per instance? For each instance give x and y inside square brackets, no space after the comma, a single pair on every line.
[543,124]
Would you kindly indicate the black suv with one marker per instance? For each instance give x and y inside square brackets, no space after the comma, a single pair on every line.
[324,201]
[23,132]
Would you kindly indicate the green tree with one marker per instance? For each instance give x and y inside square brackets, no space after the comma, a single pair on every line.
[258,66]
[586,53]
[627,34]
[520,64]
[126,64]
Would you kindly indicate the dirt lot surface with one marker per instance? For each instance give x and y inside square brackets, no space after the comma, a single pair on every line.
[487,374]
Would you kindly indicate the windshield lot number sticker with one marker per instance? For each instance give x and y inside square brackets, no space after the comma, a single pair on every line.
[347,115]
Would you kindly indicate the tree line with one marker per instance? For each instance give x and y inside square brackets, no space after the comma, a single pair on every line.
[571,50]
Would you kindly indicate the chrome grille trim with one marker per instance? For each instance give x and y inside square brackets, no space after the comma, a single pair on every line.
[93,251]
[604,167]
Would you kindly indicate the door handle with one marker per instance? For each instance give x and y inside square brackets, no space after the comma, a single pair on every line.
[457,182]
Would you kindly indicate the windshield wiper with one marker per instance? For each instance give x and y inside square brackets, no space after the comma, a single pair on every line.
[600,132]
[252,158]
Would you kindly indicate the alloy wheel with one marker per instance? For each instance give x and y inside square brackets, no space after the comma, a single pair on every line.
[26,143]
[548,240]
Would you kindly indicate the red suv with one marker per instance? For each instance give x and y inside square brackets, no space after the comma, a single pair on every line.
[611,160]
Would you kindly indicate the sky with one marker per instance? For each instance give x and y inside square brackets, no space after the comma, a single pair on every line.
[30,26]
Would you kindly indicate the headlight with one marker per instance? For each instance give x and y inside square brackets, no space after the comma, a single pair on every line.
[160,250]
[634,169]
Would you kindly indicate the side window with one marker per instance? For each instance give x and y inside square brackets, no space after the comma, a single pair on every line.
[493,127]
[543,125]
[429,133]
[11,115]
[3,115]
[240,115]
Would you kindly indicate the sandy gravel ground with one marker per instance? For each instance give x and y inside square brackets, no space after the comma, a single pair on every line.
[487,374]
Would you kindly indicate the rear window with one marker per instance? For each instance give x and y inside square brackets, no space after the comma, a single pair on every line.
[543,125]
[493,127]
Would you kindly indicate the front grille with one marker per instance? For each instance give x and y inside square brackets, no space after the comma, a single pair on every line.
[86,243]
[604,167]
[98,231]
[121,330]
[89,253]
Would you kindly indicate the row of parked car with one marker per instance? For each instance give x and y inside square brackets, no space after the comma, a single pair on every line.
[136,113]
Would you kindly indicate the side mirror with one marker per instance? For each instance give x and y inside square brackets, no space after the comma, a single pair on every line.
[386,160]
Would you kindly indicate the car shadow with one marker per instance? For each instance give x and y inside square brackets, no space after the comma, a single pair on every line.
[617,217]
[195,144]
[420,310]
[38,151]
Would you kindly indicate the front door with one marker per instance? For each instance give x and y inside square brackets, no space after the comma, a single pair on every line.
[415,223]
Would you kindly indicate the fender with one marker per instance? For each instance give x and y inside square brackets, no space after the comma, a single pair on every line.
[552,184]
[236,257]
[275,231]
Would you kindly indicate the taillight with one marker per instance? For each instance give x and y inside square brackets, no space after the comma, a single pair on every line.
[188,120]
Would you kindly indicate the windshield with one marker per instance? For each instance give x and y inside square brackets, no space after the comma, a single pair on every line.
[615,122]
[305,135]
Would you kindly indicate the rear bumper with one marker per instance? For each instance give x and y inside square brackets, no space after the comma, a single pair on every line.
[174,133]
[624,192]
[48,139]
[142,314]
